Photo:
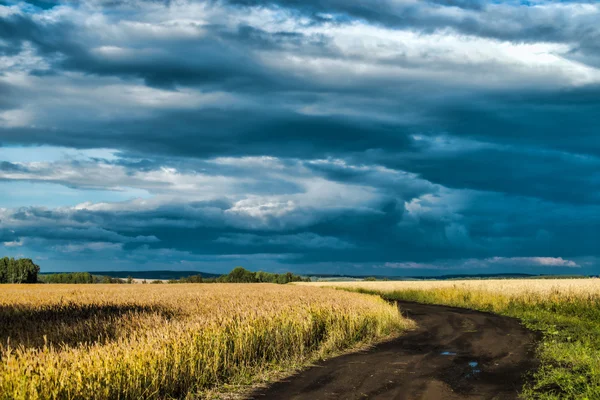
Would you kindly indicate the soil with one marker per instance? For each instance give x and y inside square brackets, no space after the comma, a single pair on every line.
[453,354]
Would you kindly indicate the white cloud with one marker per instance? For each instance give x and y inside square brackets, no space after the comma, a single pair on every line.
[294,241]
[13,244]
[88,246]
[15,118]
[362,53]
[474,263]
[536,261]
[245,182]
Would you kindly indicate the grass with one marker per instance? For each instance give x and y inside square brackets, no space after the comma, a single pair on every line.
[566,312]
[172,341]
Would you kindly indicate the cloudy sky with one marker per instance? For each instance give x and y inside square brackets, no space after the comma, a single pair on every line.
[388,137]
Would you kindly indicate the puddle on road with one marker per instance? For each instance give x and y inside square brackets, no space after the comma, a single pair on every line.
[448,353]
[474,369]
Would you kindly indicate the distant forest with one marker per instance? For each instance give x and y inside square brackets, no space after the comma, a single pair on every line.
[77,277]
[241,275]
[25,271]
[237,275]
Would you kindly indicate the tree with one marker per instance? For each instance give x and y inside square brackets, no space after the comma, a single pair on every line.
[193,279]
[262,276]
[3,270]
[241,275]
[23,270]
[106,279]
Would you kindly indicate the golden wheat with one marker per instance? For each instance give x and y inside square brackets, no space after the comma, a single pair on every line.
[171,341]
[508,287]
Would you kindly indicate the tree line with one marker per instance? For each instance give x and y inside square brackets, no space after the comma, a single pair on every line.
[22,270]
[237,275]
[242,275]
[77,277]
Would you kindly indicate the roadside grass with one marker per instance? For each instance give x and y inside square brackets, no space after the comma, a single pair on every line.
[569,351]
[173,341]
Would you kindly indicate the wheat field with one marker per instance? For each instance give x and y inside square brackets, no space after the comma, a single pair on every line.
[172,341]
[507,287]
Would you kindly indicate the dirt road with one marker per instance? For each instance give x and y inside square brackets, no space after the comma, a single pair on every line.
[453,354]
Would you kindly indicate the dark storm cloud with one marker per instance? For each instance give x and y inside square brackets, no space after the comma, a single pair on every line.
[525,226]
[7,97]
[545,119]
[383,234]
[43,4]
[10,167]
[209,61]
[219,57]
[226,132]
[501,20]
[391,182]
[203,228]
[221,61]
[215,66]
[510,21]
[382,152]
[17,29]
[521,171]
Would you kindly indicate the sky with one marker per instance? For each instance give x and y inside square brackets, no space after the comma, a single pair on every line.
[388,137]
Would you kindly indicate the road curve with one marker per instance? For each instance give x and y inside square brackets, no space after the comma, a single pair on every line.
[453,354]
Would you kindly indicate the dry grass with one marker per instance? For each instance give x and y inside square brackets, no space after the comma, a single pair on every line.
[171,341]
